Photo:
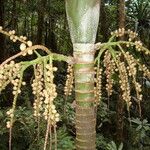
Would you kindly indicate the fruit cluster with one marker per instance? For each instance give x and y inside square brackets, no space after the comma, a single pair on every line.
[69,81]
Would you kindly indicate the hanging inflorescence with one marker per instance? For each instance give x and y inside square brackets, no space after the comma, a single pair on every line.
[50,94]
[43,86]
[44,91]
[115,60]
[124,81]
[37,88]
[8,73]
[124,64]
[110,67]
[70,80]
[11,73]
[132,40]
[98,87]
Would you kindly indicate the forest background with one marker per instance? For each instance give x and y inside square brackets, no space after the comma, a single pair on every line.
[45,22]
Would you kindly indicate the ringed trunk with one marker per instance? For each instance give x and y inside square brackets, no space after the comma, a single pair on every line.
[83,18]
[84,95]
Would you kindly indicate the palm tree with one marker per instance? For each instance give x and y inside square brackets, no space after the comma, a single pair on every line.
[83,19]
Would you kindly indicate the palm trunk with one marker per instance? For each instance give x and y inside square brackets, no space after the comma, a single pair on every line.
[83,17]
[84,95]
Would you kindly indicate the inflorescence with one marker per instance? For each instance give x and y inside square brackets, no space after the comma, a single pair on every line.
[70,80]
[123,63]
[23,39]
[132,39]
[43,86]
[98,87]
[118,61]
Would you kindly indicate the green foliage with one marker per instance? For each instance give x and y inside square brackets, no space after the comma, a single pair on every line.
[112,146]
[141,128]
[101,142]
[104,115]
[138,13]
[25,132]
[65,141]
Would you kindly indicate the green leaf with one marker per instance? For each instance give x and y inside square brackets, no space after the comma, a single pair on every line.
[120,146]
[139,128]
[137,121]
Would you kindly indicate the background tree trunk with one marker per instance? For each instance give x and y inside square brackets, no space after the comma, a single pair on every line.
[103,22]
[121,13]
[120,102]
[2,40]
[40,23]
[14,16]
[51,39]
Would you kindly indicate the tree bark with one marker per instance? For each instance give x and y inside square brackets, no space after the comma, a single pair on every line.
[2,40]
[120,102]
[40,23]
[51,40]
[14,16]
[103,23]
[121,13]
